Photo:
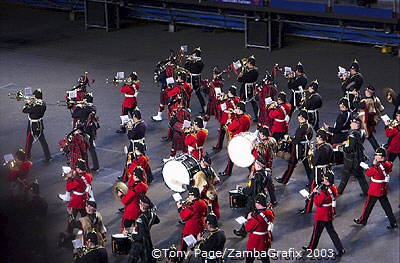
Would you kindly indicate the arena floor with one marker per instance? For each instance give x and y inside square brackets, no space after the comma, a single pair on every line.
[43,49]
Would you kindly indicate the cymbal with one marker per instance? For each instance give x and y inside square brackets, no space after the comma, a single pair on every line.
[390,95]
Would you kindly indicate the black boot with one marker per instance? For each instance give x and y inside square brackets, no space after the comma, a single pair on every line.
[241,232]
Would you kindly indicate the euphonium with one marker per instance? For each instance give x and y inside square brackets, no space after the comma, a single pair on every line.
[393,124]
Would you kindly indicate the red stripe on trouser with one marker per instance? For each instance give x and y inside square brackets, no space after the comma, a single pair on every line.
[310,202]
[28,144]
[229,166]
[311,245]
[365,207]
[161,108]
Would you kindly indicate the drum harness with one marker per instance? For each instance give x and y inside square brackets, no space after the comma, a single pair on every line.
[40,127]
[247,87]
[387,176]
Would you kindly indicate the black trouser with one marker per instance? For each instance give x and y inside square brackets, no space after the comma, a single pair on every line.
[358,174]
[263,259]
[292,164]
[313,120]
[318,228]
[221,137]
[196,86]
[229,167]
[93,154]
[43,143]
[271,189]
[278,135]
[72,218]
[255,108]
[392,156]
[372,140]
[369,205]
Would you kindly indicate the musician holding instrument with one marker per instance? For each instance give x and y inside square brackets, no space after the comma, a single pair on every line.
[240,123]
[324,199]
[259,181]
[130,91]
[81,92]
[214,89]
[142,245]
[18,170]
[85,114]
[194,64]
[139,159]
[297,81]
[266,146]
[312,103]
[136,188]
[136,130]
[35,108]
[353,150]
[378,188]
[193,211]
[259,226]
[92,252]
[392,131]
[266,92]
[352,82]
[211,242]
[320,161]
[247,77]
[279,112]
[300,147]
[371,109]
[226,106]
[201,135]
[77,146]
[340,129]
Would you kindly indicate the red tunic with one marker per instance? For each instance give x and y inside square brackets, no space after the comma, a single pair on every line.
[131,200]
[278,115]
[77,188]
[224,107]
[201,136]
[257,227]
[78,147]
[19,171]
[265,92]
[212,105]
[377,186]
[266,154]
[130,95]
[191,145]
[323,203]
[178,140]
[239,124]
[394,135]
[142,161]
[194,217]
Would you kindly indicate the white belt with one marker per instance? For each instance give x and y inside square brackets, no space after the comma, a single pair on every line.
[77,193]
[303,142]
[259,233]
[326,205]
[34,120]
[195,75]
[298,91]
[344,131]
[378,181]
[249,84]
[321,166]
[279,120]
[312,111]
[129,96]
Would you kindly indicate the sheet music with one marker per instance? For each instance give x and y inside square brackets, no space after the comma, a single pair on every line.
[217,91]
[385,118]
[66,169]
[241,220]
[8,157]
[28,91]
[124,119]
[72,94]
[268,100]
[77,243]
[223,106]
[120,75]
[190,240]
[364,165]
[304,193]
[342,70]
[288,69]
[177,197]
[184,48]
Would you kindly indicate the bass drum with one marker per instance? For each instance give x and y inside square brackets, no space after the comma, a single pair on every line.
[236,199]
[284,149]
[179,171]
[240,149]
[120,244]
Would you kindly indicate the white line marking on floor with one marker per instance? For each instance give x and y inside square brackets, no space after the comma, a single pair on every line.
[5,86]
[109,150]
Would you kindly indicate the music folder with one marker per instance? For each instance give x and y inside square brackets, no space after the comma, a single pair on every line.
[304,193]
[120,75]
[177,197]
[241,220]
[190,240]
[8,157]
[385,118]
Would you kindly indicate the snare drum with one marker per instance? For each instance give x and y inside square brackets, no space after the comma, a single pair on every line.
[338,156]
[179,171]
[120,244]
[236,199]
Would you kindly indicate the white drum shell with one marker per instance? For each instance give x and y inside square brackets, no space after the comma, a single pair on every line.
[240,148]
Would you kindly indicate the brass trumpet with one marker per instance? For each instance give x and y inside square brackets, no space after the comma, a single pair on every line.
[19,96]
[393,124]
[68,103]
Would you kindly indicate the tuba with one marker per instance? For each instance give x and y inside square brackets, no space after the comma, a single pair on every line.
[119,187]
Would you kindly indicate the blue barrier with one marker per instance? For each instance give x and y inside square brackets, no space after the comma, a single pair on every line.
[362,11]
[294,5]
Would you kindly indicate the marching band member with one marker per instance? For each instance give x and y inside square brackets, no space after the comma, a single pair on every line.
[78,145]
[379,173]
[370,113]
[312,103]
[193,213]
[201,135]
[190,141]
[92,222]
[300,147]
[18,171]
[140,159]
[226,107]
[248,76]
[351,84]
[240,123]
[142,245]
[392,131]
[296,84]
[136,132]
[195,66]
[130,90]
[172,104]
[353,151]
[35,108]
[324,198]
[212,242]
[279,112]
[136,188]
[166,81]
[181,115]
[340,129]
[81,92]
[92,252]
[268,90]
[321,159]
[266,147]
[259,180]
[259,226]
[182,90]
[215,88]
[85,114]
[396,104]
